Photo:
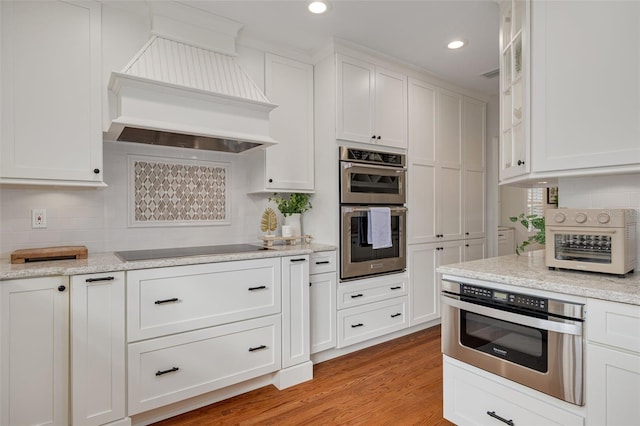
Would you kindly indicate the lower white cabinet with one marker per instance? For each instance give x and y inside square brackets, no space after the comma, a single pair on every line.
[474,397]
[296,345]
[97,348]
[34,356]
[172,368]
[372,320]
[474,249]
[322,300]
[613,359]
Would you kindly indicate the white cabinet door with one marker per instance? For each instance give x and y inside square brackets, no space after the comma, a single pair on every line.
[322,295]
[355,97]
[424,292]
[34,361]
[97,348]
[422,164]
[613,387]
[296,344]
[288,165]
[586,103]
[391,109]
[371,103]
[475,249]
[473,136]
[450,178]
[51,93]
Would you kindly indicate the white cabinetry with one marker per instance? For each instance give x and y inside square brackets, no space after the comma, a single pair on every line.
[34,357]
[371,103]
[371,307]
[583,119]
[51,93]
[475,397]
[288,165]
[227,313]
[97,348]
[296,345]
[613,358]
[422,261]
[474,119]
[322,299]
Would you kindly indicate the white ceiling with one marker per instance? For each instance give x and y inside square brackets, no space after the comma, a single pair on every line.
[414,31]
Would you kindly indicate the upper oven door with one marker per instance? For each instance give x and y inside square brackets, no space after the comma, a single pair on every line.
[371,184]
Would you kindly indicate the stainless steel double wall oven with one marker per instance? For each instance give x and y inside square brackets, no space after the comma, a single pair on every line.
[371,179]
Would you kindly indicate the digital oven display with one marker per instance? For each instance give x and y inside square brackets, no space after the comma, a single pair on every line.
[500,296]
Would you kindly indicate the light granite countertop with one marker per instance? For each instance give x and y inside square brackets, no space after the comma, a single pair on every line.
[529,271]
[109,262]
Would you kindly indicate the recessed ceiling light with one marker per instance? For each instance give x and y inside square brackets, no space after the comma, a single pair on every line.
[455,44]
[317,7]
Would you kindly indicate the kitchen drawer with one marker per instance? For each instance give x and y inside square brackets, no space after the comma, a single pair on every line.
[322,261]
[173,368]
[361,292]
[375,319]
[470,397]
[164,301]
[613,324]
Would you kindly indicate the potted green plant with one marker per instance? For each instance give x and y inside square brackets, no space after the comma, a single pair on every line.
[292,208]
[536,222]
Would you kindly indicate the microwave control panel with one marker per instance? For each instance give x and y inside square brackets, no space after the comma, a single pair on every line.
[505,298]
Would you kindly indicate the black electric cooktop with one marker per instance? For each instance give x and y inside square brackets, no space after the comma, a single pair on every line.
[152,254]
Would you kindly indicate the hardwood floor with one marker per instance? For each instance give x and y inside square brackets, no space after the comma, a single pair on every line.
[397,382]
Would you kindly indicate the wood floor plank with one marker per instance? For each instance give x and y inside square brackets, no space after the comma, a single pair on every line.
[393,383]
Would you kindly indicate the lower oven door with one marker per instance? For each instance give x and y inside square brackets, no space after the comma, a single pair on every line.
[543,354]
[358,257]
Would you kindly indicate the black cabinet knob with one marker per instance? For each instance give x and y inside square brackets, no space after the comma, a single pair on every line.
[61,288]
[466,233]
[378,138]
[96,171]
[270,180]
[373,137]
[520,163]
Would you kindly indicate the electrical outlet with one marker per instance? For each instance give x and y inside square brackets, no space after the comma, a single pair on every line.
[38,218]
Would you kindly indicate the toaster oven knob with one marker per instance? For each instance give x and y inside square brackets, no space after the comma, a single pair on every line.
[604,218]
[559,217]
[581,218]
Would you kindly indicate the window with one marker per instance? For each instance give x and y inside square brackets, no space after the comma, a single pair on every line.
[535,202]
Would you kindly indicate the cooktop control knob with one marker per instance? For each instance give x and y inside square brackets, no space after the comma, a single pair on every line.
[604,218]
[581,218]
[559,217]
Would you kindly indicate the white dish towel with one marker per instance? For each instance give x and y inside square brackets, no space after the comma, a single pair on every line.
[379,228]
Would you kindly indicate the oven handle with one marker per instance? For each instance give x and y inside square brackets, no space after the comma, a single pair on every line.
[566,327]
[349,209]
[348,165]
[582,230]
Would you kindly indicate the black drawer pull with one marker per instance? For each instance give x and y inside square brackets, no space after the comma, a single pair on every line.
[160,302]
[323,262]
[93,280]
[302,259]
[354,296]
[357,325]
[171,370]
[495,416]
[395,315]
[257,348]
[398,287]
[260,287]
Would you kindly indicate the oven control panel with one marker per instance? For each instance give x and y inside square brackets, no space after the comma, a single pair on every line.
[503,297]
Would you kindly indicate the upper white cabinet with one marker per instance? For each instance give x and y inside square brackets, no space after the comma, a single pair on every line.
[570,96]
[288,165]
[371,103]
[514,88]
[51,93]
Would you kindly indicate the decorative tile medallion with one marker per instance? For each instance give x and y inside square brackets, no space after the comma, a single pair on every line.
[177,192]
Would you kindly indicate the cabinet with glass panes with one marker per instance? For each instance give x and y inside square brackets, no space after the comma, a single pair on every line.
[514,72]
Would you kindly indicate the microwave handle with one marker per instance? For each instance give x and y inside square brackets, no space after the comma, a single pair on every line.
[575,230]
[566,327]
[346,165]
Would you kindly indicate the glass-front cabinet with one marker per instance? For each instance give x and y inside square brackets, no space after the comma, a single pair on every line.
[514,89]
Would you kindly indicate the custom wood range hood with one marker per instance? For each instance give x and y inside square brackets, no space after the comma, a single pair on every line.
[185,89]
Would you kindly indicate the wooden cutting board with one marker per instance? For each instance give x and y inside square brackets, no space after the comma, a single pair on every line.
[49,253]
